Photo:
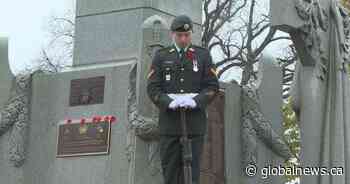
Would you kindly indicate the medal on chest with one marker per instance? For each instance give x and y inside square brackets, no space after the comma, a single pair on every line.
[167,77]
[195,65]
[191,56]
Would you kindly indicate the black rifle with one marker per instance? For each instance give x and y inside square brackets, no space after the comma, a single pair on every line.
[186,149]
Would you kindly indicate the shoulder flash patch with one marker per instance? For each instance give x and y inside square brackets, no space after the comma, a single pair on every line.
[164,49]
[150,73]
[213,71]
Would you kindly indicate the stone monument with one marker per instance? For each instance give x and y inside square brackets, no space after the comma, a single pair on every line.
[320,31]
[114,44]
[261,125]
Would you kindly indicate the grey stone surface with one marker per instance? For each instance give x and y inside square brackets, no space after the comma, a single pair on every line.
[143,132]
[8,173]
[171,7]
[270,88]
[15,118]
[106,37]
[284,16]
[116,39]
[262,144]
[321,91]
[50,106]
[154,37]
[233,141]
[6,75]
[113,39]
[271,103]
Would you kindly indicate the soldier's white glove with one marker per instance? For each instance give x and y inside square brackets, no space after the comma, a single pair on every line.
[187,101]
[175,103]
[182,100]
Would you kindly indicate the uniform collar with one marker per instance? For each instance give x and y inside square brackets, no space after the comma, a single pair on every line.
[178,48]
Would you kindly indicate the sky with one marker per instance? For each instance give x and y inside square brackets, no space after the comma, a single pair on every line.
[23,22]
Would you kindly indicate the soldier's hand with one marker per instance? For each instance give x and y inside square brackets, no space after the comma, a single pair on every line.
[188,102]
[175,103]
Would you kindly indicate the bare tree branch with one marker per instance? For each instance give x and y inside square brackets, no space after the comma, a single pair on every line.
[59,52]
[237,44]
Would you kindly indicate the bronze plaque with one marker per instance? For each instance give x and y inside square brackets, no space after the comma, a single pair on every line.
[83,139]
[87,91]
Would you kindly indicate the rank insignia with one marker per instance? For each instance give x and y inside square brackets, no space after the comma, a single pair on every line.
[213,70]
[150,73]
[210,93]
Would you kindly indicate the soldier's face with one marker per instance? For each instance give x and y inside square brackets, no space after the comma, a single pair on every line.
[182,39]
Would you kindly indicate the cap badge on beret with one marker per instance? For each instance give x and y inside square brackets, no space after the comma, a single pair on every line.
[186,26]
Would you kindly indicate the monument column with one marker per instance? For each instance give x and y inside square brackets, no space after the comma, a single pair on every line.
[111,30]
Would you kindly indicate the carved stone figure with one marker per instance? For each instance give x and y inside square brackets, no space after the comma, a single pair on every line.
[320,93]
[14,116]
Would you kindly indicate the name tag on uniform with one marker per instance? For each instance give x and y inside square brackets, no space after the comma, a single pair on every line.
[167,77]
[169,62]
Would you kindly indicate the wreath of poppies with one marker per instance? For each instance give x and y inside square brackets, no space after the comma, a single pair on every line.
[95,119]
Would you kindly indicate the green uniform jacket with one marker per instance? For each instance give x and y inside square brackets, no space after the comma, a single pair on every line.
[169,74]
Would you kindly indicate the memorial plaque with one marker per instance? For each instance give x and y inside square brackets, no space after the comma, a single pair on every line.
[87,91]
[76,139]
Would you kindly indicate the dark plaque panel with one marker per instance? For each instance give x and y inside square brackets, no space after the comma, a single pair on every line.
[87,91]
[83,139]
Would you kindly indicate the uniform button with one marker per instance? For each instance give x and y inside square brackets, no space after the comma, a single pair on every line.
[182,69]
[181,79]
[181,90]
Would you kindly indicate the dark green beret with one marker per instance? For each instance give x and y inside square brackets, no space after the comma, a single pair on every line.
[181,23]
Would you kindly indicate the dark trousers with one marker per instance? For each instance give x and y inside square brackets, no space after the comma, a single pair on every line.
[171,158]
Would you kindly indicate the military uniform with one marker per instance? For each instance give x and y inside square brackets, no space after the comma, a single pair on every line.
[169,73]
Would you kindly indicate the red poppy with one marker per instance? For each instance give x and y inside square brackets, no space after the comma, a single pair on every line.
[113,119]
[68,121]
[96,119]
[82,121]
[190,55]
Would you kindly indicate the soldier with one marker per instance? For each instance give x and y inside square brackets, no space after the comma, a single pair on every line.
[181,75]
